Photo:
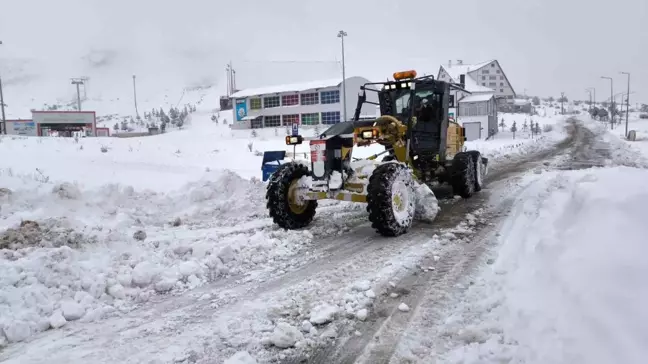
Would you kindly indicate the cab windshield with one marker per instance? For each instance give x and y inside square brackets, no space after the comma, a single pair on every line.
[402,102]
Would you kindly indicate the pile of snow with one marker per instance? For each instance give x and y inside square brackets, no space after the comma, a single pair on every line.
[567,285]
[73,256]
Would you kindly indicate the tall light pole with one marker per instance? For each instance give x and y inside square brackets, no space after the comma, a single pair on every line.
[135,98]
[589,90]
[611,100]
[3,126]
[78,82]
[562,100]
[341,35]
[627,103]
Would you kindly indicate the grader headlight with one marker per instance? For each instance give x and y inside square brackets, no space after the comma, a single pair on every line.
[369,134]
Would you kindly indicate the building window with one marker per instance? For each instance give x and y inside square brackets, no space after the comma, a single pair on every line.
[289,100]
[492,77]
[255,103]
[309,99]
[492,64]
[501,77]
[290,119]
[501,90]
[331,117]
[310,119]
[498,71]
[273,120]
[485,72]
[483,77]
[271,101]
[492,84]
[330,97]
[483,83]
[501,83]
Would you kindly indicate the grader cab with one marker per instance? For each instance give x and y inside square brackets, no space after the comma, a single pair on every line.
[421,145]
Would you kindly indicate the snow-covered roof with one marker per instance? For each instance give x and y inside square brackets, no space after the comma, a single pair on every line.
[295,87]
[455,71]
[521,102]
[477,98]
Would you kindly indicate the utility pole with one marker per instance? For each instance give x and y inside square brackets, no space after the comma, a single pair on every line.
[562,100]
[611,100]
[3,126]
[229,81]
[341,35]
[627,103]
[135,98]
[78,82]
[589,91]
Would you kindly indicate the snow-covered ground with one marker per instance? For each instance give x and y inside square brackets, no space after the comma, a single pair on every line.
[566,285]
[153,217]
[562,282]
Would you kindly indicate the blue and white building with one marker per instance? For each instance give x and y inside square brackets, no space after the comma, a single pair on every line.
[311,103]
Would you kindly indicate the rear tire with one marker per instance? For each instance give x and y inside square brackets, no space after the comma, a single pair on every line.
[463,175]
[391,200]
[284,209]
[480,169]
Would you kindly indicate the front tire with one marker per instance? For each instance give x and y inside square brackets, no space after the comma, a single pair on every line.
[463,175]
[391,199]
[284,205]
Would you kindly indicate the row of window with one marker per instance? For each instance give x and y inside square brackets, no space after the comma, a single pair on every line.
[493,78]
[485,72]
[324,97]
[327,117]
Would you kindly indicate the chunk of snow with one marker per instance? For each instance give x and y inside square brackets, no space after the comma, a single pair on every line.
[165,284]
[227,254]
[190,268]
[285,336]
[323,313]
[241,357]
[362,286]
[17,331]
[57,320]
[143,274]
[72,310]
[370,294]
[362,314]
[306,326]
[427,205]
[117,291]
[403,307]
[393,295]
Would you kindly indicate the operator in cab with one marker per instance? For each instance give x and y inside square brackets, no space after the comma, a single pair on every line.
[426,112]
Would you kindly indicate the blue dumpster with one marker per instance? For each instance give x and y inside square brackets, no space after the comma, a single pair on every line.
[271,162]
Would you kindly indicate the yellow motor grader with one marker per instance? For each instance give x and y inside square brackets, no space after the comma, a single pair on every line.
[422,145]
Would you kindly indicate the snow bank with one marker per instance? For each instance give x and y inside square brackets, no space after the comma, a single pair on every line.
[72,256]
[567,285]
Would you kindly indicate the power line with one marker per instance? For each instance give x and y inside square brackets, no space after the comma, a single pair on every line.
[289,61]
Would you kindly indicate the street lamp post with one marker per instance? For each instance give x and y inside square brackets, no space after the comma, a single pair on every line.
[589,91]
[611,100]
[341,35]
[3,125]
[627,103]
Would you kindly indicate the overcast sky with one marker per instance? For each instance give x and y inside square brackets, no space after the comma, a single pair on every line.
[544,46]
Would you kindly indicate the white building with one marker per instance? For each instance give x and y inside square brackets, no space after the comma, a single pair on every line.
[488,86]
[481,77]
[311,103]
